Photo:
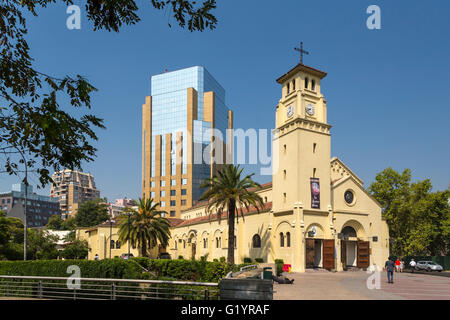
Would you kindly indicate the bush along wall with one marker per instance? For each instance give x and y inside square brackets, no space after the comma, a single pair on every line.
[188,270]
[108,268]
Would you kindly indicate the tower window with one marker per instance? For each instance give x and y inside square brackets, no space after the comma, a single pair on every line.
[284,174]
[306,83]
[313,85]
[314,172]
[293,85]
[284,149]
[288,88]
[281,239]
[288,239]
[284,197]
[314,147]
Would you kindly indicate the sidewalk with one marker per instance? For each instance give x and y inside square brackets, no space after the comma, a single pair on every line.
[352,286]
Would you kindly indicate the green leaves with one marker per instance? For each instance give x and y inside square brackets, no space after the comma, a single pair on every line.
[32,120]
[144,228]
[418,219]
[91,213]
[229,191]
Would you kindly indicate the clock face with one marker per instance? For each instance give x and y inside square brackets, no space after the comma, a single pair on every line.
[310,109]
[290,111]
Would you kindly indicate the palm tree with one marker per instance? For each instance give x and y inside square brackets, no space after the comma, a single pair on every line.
[145,227]
[229,191]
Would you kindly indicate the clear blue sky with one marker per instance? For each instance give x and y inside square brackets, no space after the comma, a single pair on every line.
[387,90]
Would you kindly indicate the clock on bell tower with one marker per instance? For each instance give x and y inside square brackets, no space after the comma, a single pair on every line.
[301,96]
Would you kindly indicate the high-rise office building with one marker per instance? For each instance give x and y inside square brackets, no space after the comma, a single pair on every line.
[39,208]
[72,189]
[184,130]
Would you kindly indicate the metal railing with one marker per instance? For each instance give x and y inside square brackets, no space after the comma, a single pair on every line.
[105,289]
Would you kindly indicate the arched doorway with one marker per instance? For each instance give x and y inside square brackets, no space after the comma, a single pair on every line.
[348,247]
[355,253]
[314,246]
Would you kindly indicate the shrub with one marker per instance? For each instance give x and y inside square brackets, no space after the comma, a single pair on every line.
[247,260]
[259,260]
[180,257]
[108,268]
[187,270]
[222,259]
[279,263]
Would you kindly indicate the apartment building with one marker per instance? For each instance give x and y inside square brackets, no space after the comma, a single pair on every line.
[72,188]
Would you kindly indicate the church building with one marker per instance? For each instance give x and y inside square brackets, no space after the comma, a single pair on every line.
[316,214]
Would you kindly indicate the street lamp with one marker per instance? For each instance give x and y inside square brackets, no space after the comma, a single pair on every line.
[110,236]
[129,227]
[25,209]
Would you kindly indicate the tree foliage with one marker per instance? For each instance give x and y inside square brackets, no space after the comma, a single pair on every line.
[57,223]
[91,213]
[229,191]
[32,121]
[77,249]
[11,237]
[41,245]
[146,227]
[418,219]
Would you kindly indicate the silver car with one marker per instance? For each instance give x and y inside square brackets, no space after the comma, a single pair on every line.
[428,266]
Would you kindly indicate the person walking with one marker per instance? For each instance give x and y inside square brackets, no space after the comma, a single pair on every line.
[96,257]
[397,265]
[389,265]
[402,265]
[412,264]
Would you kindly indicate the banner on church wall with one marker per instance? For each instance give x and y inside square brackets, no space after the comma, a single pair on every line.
[315,193]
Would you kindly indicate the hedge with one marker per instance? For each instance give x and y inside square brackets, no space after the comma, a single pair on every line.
[189,270]
[108,268]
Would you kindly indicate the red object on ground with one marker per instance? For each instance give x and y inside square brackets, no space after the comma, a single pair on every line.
[286,267]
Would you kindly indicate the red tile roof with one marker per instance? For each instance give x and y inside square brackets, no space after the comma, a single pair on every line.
[213,217]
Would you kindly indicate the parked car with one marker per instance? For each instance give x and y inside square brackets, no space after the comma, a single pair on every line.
[428,266]
[164,255]
[125,256]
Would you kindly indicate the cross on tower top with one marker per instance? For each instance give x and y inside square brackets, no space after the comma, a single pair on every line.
[301,52]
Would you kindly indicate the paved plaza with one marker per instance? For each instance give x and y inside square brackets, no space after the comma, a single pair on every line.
[351,285]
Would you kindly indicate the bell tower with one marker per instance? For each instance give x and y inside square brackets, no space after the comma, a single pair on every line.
[301,174]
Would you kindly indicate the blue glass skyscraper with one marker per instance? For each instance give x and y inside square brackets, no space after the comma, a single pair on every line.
[177,120]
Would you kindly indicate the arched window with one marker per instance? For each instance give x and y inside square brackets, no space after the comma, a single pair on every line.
[281,239]
[313,85]
[112,244]
[306,83]
[205,243]
[217,242]
[184,244]
[288,239]
[256,241]
[118,244]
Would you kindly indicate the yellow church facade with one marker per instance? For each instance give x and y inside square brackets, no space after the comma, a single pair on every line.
[317,213]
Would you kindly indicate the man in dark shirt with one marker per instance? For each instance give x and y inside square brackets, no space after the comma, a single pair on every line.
[390,265]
